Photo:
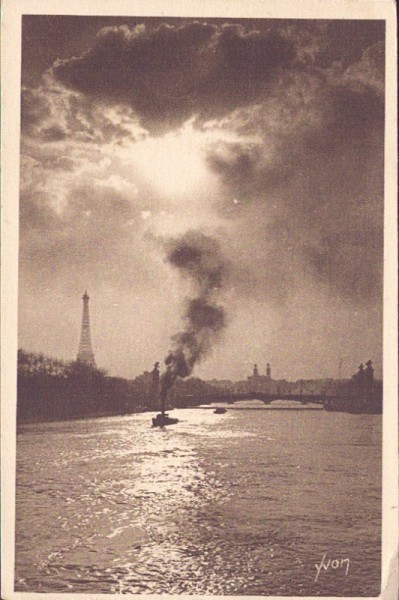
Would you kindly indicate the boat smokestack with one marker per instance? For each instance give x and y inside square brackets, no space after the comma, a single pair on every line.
[167,381]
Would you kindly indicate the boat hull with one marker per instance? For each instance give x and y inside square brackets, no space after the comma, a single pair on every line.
[162,420]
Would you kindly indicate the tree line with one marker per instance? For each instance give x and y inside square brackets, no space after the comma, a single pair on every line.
[49,389]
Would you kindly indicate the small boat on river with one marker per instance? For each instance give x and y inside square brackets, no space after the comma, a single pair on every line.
[220,410]
[163,419]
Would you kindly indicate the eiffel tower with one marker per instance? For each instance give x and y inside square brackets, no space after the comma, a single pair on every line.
[85,352]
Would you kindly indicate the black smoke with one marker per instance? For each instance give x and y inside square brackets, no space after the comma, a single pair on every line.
[198,257]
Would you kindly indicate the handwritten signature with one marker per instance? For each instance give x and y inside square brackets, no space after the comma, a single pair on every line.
[335,563]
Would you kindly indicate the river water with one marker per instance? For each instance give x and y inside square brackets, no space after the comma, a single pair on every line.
[245,503]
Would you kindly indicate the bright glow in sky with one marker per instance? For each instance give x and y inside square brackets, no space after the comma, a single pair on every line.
[180,162]
[265,137]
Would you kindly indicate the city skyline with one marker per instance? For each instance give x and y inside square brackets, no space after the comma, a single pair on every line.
[264,367]
[268,138]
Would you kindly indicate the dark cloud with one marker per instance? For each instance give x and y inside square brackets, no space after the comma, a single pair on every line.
[312,192]
[171,73]
[346,39]
[353,113]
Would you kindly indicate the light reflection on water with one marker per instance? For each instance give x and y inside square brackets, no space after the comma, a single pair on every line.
[241,503]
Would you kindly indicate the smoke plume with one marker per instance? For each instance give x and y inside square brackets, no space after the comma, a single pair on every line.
[198,257]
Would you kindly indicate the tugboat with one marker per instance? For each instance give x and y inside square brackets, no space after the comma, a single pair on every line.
[219,410]
[162,418]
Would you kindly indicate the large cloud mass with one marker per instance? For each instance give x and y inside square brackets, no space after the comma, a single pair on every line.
[274,127]
[313,184]
[171,73]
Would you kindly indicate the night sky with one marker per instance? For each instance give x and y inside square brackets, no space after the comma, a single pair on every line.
[263,135]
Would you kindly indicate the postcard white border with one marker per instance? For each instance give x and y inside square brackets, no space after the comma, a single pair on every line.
[12,10]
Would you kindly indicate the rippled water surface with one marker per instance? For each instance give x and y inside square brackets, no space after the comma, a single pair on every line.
[241,503]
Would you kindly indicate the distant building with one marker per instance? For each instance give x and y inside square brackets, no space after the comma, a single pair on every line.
[362,381]
[261,383]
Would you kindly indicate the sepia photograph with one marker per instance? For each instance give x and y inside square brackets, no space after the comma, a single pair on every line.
[200,369]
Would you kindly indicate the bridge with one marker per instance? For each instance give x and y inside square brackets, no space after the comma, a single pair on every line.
[364,403]
[266,398]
